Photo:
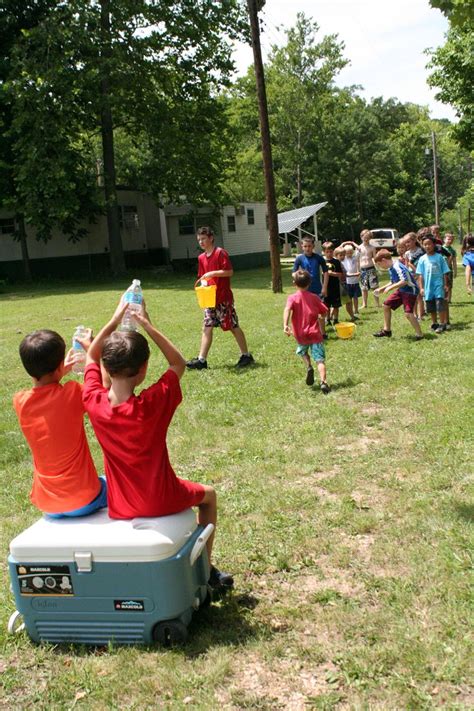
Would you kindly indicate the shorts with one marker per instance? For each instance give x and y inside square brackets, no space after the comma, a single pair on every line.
[353,290]
[223,315]
[369,278]
[401,297]
[100,502]
[344,296]
[333,300]
[449,280]
[316,350]
[435,305]
[179,495]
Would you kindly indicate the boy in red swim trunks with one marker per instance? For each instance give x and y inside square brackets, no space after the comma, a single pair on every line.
[132,429]
[215,267]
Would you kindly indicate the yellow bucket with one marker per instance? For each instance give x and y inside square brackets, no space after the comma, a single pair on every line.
[206,295]
[345,329]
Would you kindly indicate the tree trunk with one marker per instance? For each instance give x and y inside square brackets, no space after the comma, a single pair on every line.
[253,7]
[117,260]
[24,247]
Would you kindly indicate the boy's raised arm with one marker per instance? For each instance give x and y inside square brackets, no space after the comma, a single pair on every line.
[175,360]
[95,349]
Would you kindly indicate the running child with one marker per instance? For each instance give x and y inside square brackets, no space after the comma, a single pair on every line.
[405,290]
[301,319]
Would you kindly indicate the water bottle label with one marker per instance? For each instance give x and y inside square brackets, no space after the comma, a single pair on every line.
[132,298]
[77,346]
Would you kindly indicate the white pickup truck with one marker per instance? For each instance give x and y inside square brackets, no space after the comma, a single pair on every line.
[385,238]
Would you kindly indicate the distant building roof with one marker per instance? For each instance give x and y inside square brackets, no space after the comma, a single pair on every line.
[290,220]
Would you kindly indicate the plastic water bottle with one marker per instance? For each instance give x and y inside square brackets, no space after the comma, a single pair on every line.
[134,298]
[78,367]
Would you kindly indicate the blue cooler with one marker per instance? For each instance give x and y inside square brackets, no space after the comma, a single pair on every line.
[95,580]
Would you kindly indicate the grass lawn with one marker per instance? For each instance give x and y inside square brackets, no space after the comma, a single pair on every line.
[346,518]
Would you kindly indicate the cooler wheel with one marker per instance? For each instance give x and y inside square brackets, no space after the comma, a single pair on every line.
[170,633]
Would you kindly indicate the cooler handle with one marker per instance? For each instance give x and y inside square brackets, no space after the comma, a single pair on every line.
[200,543]
[13,627]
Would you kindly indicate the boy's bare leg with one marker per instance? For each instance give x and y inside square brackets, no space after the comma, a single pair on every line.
[307,360]
[322,324]
[208,514]
[240,338]
[206,342]
[322,371]
[335,313]
[355,302]
[414,323]
[387,318]
[443,317]
[377,301]
[349,309]
[365,296]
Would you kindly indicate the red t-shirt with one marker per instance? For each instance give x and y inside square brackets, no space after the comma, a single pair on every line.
[306,308]
[140,478]
[218,259]
[52,420]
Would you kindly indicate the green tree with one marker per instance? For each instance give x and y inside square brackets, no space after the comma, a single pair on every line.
[151,68]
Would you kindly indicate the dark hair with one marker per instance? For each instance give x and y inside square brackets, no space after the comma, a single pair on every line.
[205,231]
[421,234]
[301,278]
[42,352]
[430,237]
[382,254]
[328,245]
[124,353]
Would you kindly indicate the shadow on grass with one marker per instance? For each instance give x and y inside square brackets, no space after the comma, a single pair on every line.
[347,383]
[459,326]
[465,511]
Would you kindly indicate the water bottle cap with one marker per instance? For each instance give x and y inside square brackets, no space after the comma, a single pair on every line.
[136,282]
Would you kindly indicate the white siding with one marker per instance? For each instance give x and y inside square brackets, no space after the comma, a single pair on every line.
[247,239]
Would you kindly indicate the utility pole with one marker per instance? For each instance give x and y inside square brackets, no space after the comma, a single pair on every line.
[253,7]
[435,177]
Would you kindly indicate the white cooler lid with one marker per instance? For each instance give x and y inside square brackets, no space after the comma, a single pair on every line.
[108,540]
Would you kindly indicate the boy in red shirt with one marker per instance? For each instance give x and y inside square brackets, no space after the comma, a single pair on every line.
[132,429]
[51,415]
[215,267]
[302,311]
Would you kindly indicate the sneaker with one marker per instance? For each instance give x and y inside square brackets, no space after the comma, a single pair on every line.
[434,326]
[335,321]
[219,580]
[196,364]
[382,334]
[418,338]
[356,317]
[324,387]
[328,322]
[325,336]
[244,360]
[440,329]
[310,376]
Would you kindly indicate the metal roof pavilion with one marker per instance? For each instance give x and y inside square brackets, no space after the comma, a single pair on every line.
[290,220]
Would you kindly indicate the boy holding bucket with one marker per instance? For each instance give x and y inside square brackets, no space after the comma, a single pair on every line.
[214,266]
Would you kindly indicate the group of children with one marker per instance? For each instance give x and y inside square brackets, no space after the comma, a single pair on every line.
[421,280]
[131,429]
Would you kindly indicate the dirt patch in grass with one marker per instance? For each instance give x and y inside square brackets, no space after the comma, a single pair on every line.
[286,683]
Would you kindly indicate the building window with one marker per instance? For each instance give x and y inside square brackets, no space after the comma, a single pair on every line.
[186,225]
[250,216]
[231,223]
[7,226]
[129,217]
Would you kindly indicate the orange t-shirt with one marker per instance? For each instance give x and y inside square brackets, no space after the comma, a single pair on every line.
[51,418]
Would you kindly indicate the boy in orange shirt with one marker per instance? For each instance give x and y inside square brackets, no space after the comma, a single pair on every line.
[65,481]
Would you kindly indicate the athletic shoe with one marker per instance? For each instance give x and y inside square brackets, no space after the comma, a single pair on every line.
[434,326]
[324,387]
[441,329]
[328,322]
[220,580]
[310,376]
[335,321]
[356,317]
[196,364]
[244,360]
[382,334]
[418,338]
[325,336]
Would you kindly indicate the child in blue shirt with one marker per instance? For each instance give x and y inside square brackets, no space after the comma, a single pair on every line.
[432,270]
[314,264]
[468,262]
[405,291]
